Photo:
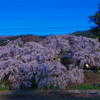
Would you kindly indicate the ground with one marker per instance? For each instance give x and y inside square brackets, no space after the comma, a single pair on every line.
[90,78]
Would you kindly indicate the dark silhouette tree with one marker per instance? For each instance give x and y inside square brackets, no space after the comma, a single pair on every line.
[96,20]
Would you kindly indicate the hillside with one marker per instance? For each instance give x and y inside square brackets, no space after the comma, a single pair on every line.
[53,62]
[36,38]
[24,38]
[84,33]
[2,37]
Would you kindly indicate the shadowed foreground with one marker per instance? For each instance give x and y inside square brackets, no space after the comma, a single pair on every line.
[49,95]
[68,98]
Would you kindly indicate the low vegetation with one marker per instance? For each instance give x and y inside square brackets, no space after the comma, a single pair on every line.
[85,87]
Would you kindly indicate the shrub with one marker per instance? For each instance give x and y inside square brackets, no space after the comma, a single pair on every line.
[67,61]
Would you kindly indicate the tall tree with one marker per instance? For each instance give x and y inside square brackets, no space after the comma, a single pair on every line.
[96,19]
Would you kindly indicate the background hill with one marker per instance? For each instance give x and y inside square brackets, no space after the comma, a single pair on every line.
[24,38]
[36,38]
[2,37]
[84,33]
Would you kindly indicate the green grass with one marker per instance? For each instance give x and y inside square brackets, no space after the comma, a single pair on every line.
[5,86]
[52,87]
[85,87]
[3,89]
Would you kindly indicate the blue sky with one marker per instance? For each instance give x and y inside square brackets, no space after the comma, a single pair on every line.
[45,17]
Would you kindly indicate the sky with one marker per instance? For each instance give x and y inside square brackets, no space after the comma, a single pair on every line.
[45,17]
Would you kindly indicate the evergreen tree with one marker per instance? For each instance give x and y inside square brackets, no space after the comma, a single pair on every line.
[96,20]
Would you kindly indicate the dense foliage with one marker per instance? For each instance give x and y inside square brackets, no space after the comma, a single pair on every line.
[25,64]
[96,19]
